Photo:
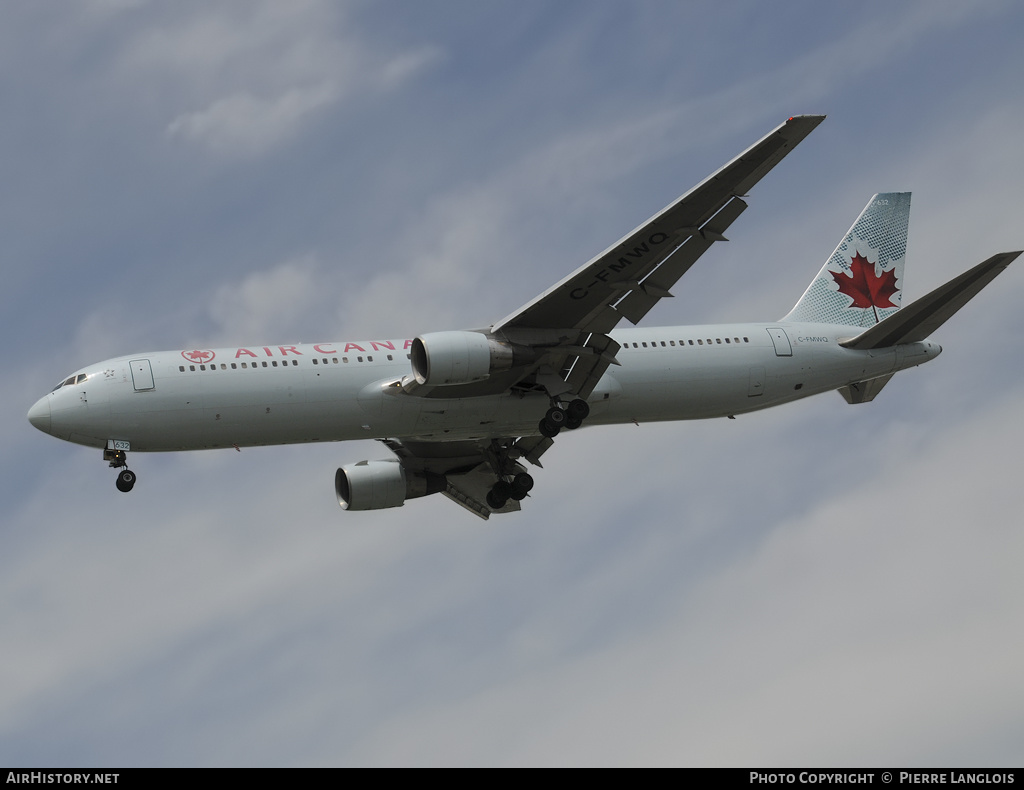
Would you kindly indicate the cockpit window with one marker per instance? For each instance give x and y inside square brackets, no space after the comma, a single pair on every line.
[70,380]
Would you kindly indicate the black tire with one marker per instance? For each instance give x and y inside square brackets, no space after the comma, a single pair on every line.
[556,417]
[523,480]
[579,408]
[547,429]
[522,484]
[498,496]
[125,480]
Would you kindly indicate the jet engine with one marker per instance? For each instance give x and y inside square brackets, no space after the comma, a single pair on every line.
[372,485]
[441,359]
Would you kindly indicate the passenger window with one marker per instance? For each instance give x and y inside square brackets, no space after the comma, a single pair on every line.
[700,342]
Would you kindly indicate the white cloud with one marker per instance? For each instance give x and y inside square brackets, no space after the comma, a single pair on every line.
[244,124]
[252,74]
[271,303]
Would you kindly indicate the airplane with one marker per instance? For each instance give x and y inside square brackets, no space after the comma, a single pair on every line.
[464,412]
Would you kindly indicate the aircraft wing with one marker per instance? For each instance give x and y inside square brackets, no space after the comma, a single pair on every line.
[628,278]
[572,319]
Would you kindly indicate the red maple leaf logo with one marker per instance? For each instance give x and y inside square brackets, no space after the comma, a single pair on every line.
[866,288]
[198,356]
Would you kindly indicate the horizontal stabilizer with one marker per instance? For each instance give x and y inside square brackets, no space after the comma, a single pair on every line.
[917,321]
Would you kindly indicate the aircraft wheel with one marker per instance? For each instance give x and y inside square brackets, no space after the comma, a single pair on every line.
[125,480]
[579,408]
[572,422]
[498,496]
[521,486]
[556,417]
[547,429]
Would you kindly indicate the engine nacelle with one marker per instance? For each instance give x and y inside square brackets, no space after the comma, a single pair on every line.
[441,359]
[372,485]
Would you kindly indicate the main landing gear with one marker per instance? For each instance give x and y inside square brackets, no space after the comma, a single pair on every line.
[513,481]
[504,490]
[570,418]
[125,477]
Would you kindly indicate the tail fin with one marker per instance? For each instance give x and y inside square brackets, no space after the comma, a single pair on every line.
[862,281]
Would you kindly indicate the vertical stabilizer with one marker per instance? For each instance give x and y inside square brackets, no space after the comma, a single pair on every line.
[862,281]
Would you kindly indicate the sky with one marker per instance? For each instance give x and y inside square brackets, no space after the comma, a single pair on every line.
[815,585]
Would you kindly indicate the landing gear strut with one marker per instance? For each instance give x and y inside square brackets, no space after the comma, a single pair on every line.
[119,460]
[513,482]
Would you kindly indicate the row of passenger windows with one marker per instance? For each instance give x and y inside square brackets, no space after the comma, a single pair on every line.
[698,342]
[369,358]
[284,363]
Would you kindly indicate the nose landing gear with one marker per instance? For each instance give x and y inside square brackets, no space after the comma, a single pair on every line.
[125,480]
[119,460]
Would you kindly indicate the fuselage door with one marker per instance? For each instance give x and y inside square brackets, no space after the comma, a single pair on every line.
[780,340]
[142,375]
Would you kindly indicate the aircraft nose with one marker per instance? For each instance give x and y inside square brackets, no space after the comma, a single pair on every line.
[39,414]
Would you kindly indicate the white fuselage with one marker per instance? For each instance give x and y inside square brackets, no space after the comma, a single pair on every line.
[266,395]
